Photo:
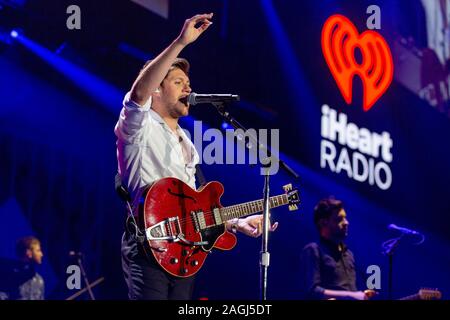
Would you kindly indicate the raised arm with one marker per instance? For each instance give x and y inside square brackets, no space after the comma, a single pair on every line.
[153,74]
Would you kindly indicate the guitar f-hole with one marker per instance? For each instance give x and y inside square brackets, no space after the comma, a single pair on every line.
[181,195]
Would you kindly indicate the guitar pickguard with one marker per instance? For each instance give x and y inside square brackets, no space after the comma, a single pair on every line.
[211,234]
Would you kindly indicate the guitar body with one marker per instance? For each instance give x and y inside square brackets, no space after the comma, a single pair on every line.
[183,225]
[169,216]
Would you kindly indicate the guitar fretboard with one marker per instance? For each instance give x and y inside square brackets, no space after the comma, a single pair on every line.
[244,209]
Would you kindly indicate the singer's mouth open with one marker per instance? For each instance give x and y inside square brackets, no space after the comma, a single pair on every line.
[184,101]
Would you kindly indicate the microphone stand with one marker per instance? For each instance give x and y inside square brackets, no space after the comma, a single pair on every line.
[389,247]
[93,284]
[264,254]
[85,278]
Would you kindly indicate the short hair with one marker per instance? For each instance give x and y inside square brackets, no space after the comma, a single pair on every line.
[25,243]
[325,208]
[179,63]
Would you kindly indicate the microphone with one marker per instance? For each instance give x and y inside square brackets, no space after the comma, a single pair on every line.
[195,98]
[401,229]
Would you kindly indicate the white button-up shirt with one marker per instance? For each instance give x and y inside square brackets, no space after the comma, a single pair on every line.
[148,150]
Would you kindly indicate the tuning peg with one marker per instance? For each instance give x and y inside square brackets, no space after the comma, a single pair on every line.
[293,207]
[287,187]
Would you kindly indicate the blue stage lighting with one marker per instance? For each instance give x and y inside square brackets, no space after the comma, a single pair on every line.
[14,34]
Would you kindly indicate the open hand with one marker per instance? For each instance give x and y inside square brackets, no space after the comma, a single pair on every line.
[190,33]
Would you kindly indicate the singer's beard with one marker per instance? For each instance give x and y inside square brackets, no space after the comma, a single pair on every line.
[179,110]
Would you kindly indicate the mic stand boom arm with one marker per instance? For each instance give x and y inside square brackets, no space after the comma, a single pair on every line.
[220,106]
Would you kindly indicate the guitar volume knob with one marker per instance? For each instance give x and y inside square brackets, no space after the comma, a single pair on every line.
[174,261]
[194,263]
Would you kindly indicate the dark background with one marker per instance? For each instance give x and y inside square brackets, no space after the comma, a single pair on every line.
[60,96]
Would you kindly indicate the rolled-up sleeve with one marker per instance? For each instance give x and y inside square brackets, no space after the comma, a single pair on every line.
[310,273]
[132,120]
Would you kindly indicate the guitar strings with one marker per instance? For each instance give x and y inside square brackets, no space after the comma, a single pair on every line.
[208,214]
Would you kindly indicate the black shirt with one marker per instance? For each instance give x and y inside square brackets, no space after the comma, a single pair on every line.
[325,265]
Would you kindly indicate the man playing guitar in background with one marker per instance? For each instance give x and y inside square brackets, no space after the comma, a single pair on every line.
[328,266]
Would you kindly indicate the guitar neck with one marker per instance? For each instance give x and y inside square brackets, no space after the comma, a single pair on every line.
[247,208]
[411,297]
[424,294]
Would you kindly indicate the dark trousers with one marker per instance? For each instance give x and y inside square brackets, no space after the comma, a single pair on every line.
[146,280]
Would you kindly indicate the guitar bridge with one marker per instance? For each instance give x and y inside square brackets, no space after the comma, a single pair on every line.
[170,230]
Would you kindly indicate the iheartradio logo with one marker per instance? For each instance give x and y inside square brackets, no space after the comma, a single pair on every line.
[340,39]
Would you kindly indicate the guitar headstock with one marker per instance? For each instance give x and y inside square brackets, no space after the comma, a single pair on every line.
[292,195]
[429,294]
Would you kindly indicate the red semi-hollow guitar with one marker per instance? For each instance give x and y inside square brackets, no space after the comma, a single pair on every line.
[183,225]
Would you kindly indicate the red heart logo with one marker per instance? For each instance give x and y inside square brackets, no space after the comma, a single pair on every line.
[340,38]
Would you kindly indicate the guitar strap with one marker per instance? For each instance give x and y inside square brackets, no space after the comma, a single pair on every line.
[200,176]
[130,221]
